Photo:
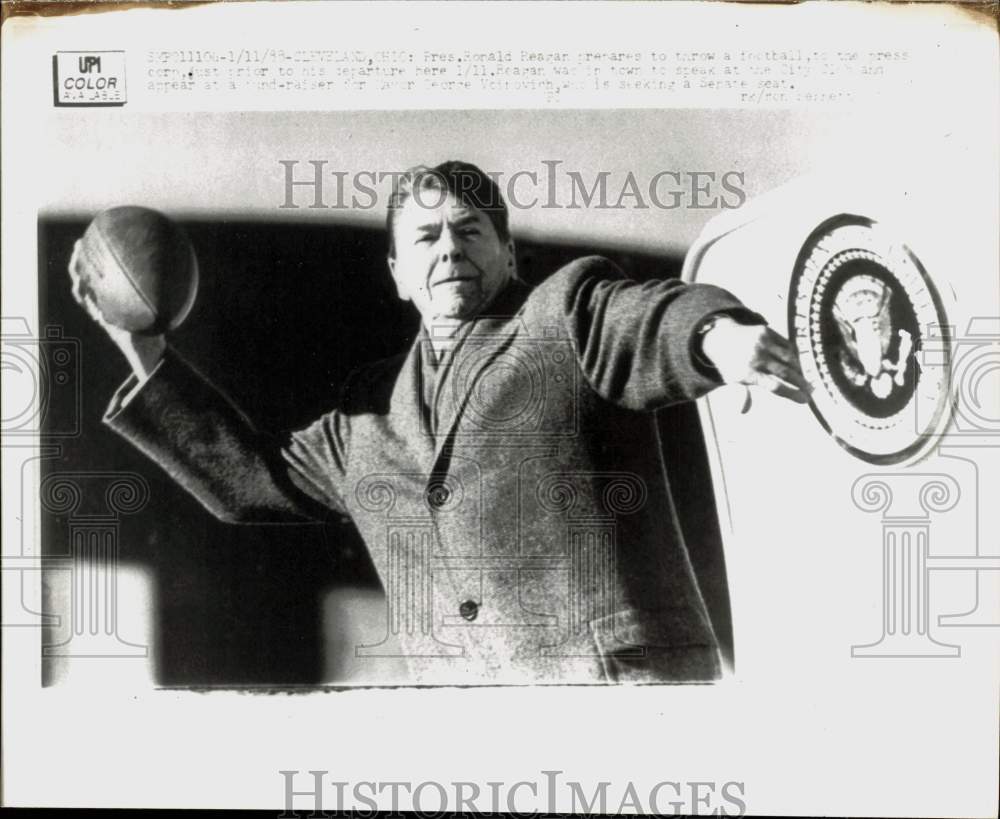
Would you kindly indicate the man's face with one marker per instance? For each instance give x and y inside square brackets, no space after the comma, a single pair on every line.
[449,260]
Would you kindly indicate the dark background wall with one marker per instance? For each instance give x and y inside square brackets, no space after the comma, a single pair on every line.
[284,312]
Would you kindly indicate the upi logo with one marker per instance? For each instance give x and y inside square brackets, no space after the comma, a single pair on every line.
[88,78]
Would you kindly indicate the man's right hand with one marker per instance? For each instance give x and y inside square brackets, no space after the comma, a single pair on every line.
[755,355]
[143,353]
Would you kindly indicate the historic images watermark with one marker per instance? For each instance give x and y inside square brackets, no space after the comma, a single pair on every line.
[315,184]
[314,793]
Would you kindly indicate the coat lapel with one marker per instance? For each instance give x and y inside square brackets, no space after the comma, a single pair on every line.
[407,408]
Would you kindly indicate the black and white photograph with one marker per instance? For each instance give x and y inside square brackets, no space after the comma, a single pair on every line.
[462,379]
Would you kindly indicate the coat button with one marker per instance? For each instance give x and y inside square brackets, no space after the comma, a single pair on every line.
[469,610]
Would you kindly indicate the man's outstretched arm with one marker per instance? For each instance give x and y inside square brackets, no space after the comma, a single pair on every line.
[207,445]
[644,345]
[176,417]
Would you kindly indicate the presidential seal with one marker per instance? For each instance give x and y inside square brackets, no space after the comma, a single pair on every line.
[860,305]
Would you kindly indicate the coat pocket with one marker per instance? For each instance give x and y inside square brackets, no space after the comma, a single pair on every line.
[669,645]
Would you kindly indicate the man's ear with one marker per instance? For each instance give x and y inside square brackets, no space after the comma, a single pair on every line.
[400,289]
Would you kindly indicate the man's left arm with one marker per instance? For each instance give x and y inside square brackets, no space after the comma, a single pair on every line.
[644,345]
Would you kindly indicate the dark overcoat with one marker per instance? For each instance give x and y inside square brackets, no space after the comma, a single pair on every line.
[517,510]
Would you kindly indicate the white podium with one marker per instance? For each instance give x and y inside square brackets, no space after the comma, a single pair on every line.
[858,527]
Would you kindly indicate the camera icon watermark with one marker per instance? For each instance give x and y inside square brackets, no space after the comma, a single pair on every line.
[527,386]
[40,373]
[972,364]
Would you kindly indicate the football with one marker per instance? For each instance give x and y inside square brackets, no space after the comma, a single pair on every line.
[139,268]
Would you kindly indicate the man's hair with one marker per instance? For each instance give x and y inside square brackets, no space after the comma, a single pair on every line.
[463,180]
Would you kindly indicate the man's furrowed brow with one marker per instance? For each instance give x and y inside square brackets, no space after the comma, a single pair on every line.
[469,217]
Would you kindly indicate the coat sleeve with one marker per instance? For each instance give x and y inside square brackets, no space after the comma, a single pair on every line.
[205,443]
[636,341]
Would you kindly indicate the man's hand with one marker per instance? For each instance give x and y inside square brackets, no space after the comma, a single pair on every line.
[755,355]
[143,353]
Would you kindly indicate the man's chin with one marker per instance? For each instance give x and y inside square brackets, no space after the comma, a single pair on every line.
[464,310]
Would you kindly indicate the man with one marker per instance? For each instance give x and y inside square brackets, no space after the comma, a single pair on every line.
[505,471]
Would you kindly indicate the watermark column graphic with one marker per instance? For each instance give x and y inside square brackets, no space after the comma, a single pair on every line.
[21,565]
[41,409]
[984,566]
[585,552]
[592,539]
[905,502]
[94,503]
[410,536]
[908,564]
